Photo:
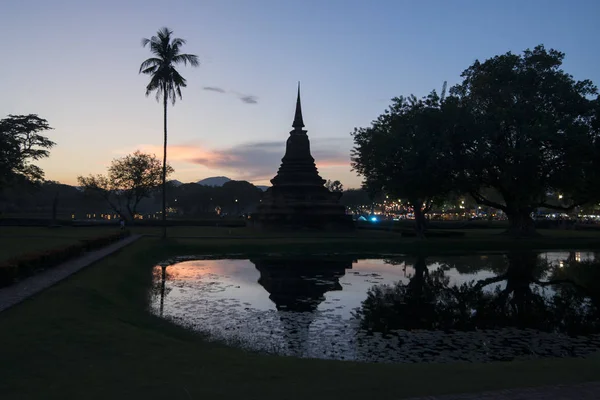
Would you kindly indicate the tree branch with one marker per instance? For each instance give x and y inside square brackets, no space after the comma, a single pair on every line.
[489,281]
[561,208]
[482,200]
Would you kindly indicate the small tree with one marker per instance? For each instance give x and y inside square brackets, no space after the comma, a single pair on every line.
[20,144]
[130,179]
[404,153]
[334,186]
[528,130]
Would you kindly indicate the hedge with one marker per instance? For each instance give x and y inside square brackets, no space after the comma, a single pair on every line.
[19,268]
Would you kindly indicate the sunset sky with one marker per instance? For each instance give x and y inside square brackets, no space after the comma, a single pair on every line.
[75,63]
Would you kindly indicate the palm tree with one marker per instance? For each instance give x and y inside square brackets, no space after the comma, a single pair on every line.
[167,83]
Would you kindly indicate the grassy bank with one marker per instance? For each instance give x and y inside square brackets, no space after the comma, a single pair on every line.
[19,240]
[91,337]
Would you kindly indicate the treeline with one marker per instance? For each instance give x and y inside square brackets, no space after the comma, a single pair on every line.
[55,200]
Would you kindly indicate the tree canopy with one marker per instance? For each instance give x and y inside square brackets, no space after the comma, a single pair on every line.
[20,144]
[129,180]
[165,80]
[517,126]
[405,153]
[528,130]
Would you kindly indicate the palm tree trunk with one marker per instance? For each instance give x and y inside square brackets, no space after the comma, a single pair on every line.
[164,171]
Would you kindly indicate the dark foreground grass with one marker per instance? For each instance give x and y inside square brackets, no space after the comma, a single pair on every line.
[91,337]
[16,241]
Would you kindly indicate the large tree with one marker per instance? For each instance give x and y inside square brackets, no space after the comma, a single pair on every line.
[20,144]
[130,179]
[528,130]
[166,81]
[405,153]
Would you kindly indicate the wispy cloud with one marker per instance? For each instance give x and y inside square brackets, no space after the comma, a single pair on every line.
[254,161]
[214,89]
[245,98]
[249,99]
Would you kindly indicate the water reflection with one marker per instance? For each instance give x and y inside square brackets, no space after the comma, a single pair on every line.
[401,309]
[526,292]
[299,286]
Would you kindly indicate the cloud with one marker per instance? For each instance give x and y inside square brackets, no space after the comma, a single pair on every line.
[245,98]
[254,161]
[214,89]
[249,99]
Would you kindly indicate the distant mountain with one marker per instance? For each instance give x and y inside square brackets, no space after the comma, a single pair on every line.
[262,187]
[176,183]
[214,181]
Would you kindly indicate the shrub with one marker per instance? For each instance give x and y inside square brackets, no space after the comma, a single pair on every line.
[22,267]
[8,273]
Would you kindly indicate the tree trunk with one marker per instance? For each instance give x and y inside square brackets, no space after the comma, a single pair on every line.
[520,223]
[419,220]
[164,170]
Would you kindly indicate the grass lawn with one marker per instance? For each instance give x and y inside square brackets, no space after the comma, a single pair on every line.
[91,337]
[16,241]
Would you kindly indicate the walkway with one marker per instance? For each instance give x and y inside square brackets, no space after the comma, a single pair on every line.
[14,294]
[580,391]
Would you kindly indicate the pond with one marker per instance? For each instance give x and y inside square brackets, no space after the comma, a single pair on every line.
[479,308]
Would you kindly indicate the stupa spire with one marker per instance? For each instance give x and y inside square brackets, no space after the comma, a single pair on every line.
[298,122]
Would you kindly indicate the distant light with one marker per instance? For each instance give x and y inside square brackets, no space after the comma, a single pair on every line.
[560,196]
[374,219]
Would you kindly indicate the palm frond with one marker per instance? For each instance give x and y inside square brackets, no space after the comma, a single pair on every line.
[164,34]
[186,58]
[177,79]
[150,63]
[178,42]
[149,70]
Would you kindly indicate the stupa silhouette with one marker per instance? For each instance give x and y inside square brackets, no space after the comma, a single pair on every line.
[298,197]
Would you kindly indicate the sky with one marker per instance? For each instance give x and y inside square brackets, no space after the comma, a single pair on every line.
[75,63]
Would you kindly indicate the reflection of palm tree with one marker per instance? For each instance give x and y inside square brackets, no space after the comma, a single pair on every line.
[162,288]
[160,278]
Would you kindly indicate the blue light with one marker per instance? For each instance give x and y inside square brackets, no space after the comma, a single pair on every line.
[374,219]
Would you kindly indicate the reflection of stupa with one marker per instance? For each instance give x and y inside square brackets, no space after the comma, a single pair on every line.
[299,286]
[298,197]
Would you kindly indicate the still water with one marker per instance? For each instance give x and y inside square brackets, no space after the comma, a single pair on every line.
[397,309]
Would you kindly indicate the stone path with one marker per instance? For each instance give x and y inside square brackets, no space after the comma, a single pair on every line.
[14,294]
[580,391]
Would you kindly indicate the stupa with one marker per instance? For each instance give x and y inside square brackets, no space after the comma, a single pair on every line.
[298,197]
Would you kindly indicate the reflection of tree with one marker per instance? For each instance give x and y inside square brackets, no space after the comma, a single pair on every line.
[586,278]
[427,301]
[160,276]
